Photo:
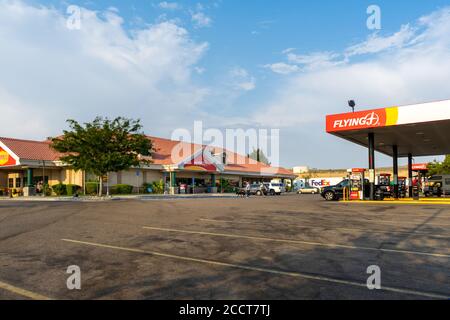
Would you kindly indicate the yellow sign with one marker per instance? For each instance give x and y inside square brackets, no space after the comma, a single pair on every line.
[4,157]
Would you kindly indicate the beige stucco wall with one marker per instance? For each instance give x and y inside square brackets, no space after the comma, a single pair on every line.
[129,177]
[70,176]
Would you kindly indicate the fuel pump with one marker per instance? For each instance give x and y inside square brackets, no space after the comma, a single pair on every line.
[356,184]
[402,187]
[383,184]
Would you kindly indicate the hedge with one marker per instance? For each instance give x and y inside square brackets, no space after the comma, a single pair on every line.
[121,189]
[92,188]
[73,189]
[60,189]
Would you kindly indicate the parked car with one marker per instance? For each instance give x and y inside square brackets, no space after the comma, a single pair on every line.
[275,188]
[308,190]
[255,189]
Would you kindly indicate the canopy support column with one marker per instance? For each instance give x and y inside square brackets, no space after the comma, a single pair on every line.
[410,175]
[372,165]
[395,166]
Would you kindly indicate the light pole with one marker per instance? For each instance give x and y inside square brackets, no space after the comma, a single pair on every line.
[352,104]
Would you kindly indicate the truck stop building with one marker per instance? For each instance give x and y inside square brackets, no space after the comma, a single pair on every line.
[199,169]
[408,131]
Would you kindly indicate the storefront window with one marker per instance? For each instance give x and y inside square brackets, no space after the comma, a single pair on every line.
[10,183]
[18,183]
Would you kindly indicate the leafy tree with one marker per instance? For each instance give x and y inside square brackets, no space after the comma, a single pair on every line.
[103,146]
[258,155]
[436,168]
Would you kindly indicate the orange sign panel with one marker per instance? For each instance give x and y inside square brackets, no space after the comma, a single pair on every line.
[6,159]
[356,120]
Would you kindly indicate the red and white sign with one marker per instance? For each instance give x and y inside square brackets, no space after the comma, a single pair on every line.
[420,167]
[356,120]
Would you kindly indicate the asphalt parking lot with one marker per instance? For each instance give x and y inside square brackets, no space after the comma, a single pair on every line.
[288,247]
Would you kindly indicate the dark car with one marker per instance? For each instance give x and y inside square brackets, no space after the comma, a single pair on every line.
[334,193]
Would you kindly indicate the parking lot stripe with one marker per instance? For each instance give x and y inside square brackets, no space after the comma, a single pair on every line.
[22,292]
[332,245]
[303,226]
[258,269]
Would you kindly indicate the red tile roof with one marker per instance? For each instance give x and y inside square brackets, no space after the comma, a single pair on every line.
[31,150]
[235,162]
[41,150]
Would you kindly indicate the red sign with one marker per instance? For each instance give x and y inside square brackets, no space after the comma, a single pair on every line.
[420,167]
[356,120]
[358,170]
[200,164]
[200,167]
[6,159]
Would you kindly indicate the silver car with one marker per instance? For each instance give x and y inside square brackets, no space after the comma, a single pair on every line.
[308,190]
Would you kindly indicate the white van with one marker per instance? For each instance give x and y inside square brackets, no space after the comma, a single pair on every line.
[438,183]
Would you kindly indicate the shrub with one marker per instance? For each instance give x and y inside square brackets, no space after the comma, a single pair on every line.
[60,189]
[158,187]
[47,190]
[121,189]
[92,188]
[73,189]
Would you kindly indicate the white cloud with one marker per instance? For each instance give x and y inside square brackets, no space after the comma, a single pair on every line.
[283,68]
[376,43]
[169,5]
[201,20]
[242,80]
[409,66]
[50,73]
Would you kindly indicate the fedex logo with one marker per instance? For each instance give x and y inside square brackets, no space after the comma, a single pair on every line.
[370,120]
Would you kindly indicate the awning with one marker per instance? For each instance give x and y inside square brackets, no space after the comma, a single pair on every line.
[419,130]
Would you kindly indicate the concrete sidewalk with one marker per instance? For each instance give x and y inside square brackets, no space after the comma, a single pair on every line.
[122,197]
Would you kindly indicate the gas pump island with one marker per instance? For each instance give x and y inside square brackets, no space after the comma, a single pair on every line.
[356,185]
[408,131]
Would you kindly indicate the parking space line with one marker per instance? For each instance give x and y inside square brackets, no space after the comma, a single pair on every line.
[349,219]
[22,292]
[332,245]
[303,226]
[259,269]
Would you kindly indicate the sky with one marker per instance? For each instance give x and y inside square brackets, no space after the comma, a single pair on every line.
[231,64]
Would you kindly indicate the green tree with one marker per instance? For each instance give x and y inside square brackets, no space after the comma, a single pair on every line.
[258,155]
[436,168]
[104,146]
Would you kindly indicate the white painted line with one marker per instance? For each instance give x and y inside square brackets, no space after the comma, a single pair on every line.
[264,270]
[306,226]
[22,292]
[332,245]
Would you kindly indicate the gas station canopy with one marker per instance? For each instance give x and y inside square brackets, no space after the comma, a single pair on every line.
[419,130]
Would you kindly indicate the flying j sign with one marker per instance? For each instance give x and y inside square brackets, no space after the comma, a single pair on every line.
[6,159]
[417,113]
[362,120]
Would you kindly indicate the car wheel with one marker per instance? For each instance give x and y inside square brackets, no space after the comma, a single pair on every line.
[300,192]
[258,193]
[272,192]
[329,196]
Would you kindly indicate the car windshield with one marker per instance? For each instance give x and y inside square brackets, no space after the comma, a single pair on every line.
[343,184]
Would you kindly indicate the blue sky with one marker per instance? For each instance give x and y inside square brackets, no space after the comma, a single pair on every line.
[265,64]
